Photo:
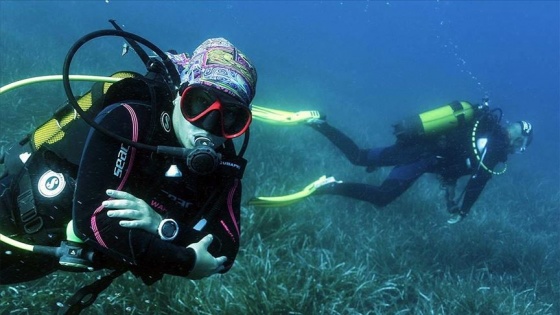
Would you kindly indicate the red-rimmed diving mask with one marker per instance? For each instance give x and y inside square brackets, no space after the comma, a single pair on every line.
[215,111]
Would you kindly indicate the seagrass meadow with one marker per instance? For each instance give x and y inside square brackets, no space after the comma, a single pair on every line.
[330,254]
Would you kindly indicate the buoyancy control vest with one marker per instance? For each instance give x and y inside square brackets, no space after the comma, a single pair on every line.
[43,166]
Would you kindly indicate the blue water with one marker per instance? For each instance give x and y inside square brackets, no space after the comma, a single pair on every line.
[364,64]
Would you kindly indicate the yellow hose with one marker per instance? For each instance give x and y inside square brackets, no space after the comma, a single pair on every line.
[9,241]
[47,78]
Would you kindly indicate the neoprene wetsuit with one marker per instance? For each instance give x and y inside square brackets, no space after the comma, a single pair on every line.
[450,156]
[108,164]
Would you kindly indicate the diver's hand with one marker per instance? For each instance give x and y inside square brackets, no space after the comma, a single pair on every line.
[206,264]
[139,214]
[455,213]
[455,218]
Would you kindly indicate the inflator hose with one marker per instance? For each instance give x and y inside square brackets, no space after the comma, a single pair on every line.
[48,78]
[39,249]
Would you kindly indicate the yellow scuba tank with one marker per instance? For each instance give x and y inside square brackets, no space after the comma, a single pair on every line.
[435,121]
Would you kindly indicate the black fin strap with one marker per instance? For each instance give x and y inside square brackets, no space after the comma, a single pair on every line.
[85,296]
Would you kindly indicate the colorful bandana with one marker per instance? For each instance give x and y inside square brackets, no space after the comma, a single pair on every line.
[217,63]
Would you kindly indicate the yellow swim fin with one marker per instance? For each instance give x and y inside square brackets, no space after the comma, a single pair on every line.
[281,117]
[282,201]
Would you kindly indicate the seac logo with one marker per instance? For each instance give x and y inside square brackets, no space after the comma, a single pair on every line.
[51,184]
[121,161]
[165,121]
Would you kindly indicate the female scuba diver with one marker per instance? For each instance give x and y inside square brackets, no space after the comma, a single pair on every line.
[134,209]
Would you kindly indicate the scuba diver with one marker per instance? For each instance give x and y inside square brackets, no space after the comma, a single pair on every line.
[452,141]
[174,210]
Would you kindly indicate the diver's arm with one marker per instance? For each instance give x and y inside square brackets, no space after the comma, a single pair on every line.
[134,212]
[193,261]
[221,219]
[222,228]
[473,190]
[227,224]
[496,154]
[105,163]
[137,214]
[109,164]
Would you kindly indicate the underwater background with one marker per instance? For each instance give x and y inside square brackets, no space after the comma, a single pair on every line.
[365,65]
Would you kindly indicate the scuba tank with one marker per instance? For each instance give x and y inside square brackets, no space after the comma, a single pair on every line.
[437,121]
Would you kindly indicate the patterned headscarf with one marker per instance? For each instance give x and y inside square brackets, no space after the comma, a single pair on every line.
[217,63]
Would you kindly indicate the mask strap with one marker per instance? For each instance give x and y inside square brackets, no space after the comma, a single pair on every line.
[183,87]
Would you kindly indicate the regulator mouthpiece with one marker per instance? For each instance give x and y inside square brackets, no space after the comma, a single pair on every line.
[203,159]
[200,140]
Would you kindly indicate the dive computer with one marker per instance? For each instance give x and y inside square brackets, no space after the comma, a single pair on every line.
[168,229]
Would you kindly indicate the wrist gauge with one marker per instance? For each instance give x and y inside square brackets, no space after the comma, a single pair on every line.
[168,229]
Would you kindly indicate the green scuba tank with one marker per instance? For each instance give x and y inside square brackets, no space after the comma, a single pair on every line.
[435,121]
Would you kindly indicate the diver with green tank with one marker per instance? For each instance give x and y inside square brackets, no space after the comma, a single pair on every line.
[452,141]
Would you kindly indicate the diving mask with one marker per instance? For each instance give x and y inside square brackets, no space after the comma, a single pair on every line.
[217,112]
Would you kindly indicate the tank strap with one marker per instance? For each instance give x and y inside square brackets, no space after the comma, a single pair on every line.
[457,107]
[30,219]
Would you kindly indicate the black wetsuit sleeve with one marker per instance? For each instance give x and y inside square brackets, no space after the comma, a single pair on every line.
[497,153]
[221,219]
[227,225]
[474,188]
[109,164]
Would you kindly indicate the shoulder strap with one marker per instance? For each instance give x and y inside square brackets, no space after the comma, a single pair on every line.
[65,132]
[56,128]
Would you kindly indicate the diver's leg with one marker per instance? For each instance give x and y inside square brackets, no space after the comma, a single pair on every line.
[399,154]
[398,181]
[344,143]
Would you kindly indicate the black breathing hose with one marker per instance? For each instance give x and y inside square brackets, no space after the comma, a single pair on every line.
[171,77]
